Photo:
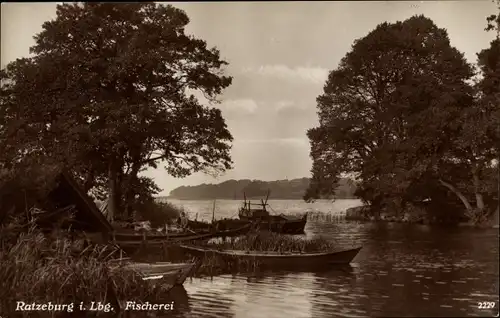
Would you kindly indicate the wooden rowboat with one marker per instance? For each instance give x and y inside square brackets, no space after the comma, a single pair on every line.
[166,272]
[138,240]
[122,236]
[281,260]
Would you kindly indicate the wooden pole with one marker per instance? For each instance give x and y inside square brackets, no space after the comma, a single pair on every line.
[244,201]
[213,213]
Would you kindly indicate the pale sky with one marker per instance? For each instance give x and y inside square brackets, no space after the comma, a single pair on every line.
[280,54]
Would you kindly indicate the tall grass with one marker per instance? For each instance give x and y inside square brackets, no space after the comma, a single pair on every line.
[212,265]
[275,242]
[35,267]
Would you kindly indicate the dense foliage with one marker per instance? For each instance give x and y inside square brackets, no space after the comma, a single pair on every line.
[109,91]
[402,113]
[280,189]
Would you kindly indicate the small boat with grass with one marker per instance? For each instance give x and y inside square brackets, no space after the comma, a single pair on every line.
[280,260]
[281,223]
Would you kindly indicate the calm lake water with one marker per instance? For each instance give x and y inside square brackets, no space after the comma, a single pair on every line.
[402,271]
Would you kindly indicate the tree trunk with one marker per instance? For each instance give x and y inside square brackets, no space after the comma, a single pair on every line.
[113,191]
[119,191]
[464,200]
[130,189]
[89,181]
[479,196]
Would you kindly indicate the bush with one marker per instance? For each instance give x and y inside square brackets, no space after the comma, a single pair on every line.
[159,213]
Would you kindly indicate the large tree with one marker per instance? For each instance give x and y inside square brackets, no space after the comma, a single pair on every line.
[389,111]
[109,91]
[475,148]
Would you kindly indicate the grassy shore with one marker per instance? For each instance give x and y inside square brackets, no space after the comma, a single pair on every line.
[38,268]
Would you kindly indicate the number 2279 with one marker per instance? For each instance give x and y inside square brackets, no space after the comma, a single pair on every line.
[486,304]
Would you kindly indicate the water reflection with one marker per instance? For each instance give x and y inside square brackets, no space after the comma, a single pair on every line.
[289,295]
[339,293]
[211,297]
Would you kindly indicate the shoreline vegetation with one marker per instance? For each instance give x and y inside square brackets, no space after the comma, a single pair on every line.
[415,215]
[57,267]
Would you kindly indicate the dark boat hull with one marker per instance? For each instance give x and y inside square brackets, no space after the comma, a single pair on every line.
[221,225]
[277,225]
[280,224]
[155,237]
[287,227]
[160,240]
[282,261]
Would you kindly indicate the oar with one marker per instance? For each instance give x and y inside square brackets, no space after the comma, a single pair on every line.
[268,193]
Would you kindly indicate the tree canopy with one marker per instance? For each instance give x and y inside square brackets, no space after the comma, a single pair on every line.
[402,114]
[109,91]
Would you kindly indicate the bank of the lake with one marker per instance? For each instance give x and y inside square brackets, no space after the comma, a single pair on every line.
[414,215]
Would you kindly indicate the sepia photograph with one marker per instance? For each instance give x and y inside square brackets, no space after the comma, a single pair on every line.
[274,159]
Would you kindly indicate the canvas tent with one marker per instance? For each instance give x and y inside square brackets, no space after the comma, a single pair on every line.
[65,193]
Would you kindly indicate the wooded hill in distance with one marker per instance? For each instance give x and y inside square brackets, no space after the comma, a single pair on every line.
[234,189]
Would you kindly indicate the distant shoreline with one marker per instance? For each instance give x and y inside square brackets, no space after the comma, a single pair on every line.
[241,199]
[293,189]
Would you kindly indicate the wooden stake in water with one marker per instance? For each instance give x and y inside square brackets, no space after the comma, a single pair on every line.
[213,212]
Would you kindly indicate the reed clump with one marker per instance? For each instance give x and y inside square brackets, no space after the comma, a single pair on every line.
[212,265]
[36,267]
[275,242]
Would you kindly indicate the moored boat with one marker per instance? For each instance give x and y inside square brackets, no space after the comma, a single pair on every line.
[139,240]
[123,236]
[219,225]
[281,260]
[285,224]
[169,273]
